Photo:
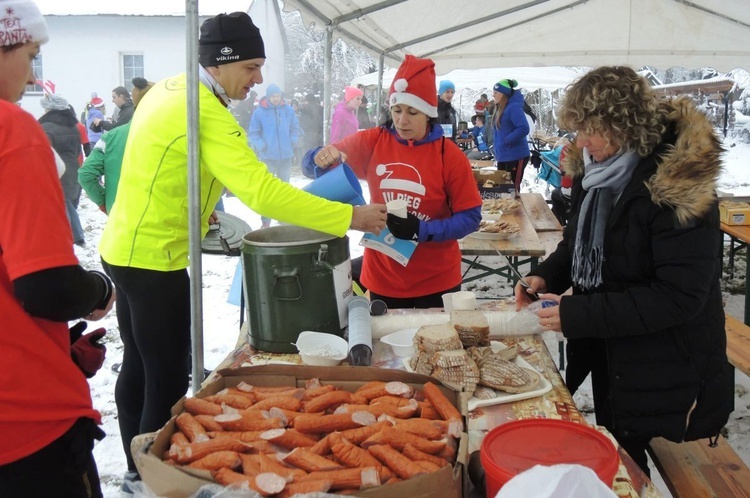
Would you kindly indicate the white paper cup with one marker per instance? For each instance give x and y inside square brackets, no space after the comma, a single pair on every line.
[396,207]
[448,302]
[464,300]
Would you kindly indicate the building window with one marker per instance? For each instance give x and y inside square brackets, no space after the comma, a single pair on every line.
[132,66]
[36,64]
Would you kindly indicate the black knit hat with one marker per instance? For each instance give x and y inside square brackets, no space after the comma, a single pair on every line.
[229,38]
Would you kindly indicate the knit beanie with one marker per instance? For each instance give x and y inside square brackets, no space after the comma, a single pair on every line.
[140,87]
[273,89]
[446,85]
[21,22]
[414,85]
[350,92]
[506,87]
[53,102]
[229,38]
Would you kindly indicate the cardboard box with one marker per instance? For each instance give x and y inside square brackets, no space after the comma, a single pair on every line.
[503,186]
[172,482]
[735,213]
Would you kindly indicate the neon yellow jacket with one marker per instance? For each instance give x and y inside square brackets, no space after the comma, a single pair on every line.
[148,225]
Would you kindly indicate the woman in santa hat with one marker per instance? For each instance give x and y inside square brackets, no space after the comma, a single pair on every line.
[409,158]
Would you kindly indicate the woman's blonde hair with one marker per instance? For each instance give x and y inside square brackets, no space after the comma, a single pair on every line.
[617,103]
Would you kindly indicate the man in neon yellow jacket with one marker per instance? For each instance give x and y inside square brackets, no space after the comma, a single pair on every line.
[144,246]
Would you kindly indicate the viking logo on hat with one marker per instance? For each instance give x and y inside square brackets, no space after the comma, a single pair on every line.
[226,51]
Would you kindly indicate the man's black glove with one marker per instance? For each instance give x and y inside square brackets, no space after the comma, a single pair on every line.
[88,354]
[403,228]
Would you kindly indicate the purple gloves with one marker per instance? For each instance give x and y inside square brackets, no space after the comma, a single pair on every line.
[86,350]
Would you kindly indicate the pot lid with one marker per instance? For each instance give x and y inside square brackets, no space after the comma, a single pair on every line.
[231,229]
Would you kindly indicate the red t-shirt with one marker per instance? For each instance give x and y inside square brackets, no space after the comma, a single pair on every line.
[436,180]
[43,392]
[84,141]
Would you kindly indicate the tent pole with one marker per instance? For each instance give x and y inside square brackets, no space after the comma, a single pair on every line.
[194,194]
[327,85]
[381,63]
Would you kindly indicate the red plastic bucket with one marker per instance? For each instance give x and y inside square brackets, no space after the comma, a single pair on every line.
[516,446]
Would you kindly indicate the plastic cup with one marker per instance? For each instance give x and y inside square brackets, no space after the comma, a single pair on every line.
[448,302]
[396,207]
[339,184]
[464,300]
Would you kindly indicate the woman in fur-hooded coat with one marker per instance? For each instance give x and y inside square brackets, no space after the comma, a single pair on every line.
[645,316]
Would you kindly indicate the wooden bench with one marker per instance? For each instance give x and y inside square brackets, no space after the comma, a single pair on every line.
[738,344]
[695,469]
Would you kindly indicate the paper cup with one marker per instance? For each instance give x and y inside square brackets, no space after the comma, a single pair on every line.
[448,302]
[464,300]
[396,207]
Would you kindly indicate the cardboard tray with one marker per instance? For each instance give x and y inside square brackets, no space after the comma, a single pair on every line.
[172,482]
[502,184]
[735,213]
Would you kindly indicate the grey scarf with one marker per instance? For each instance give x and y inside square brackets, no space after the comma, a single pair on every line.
[605,182]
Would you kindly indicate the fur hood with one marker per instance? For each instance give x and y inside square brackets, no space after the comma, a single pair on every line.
[686,173]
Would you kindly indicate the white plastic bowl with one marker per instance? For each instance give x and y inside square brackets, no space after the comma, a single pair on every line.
[402,342]
[493,216]
[308,342]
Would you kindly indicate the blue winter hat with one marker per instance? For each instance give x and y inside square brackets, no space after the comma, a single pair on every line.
[506,86]
[446,85]
[273,89]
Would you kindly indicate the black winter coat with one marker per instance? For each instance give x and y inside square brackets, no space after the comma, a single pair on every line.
[447,115]
[652,334]
[61,130]
[125,115]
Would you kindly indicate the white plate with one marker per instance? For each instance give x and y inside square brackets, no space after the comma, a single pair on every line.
[402,342]
[502,397]
[491,216]
[492,236]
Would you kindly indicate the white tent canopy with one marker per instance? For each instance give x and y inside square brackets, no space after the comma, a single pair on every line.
[529,78]
[489,33]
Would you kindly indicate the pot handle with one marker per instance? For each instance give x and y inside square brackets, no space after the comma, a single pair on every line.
[287,286]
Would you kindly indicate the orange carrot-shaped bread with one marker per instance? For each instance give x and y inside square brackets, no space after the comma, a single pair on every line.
[347,478]
[399,439]
[398,463]
[285,402]
[244,436]
[198,406]
[445,408]
[178,438]
[269,463]
[245,420]
[217,460]
[233,400]
[303,488]
[186,453]
[449,452]
[412,453]
[208,422]
[428,429]
[250,464]
[314,392]
[328,400]
[322,447]
[393,388]
[237,392]
[192,429]
[293,392]
[354,456]
[370,385]
[287,415]
[360,434]
[266,484]
[426,410]
[313,424]
[307,460]
[428,467]
[287,438]
[245,387]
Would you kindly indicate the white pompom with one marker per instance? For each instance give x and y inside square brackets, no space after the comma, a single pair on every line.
[400,85]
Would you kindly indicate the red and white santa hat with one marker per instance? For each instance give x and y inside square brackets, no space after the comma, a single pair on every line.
[414,85]
[97,102]
[21,22]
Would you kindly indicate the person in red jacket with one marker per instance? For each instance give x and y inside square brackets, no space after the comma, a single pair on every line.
[410,159]
[47,420]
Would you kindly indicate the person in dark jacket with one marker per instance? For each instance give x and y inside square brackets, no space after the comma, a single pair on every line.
[123,102]
[273,134]
[59,123]
[642,254]
[511,129]
[446,113]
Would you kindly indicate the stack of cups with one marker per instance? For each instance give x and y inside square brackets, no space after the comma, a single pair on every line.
[461,300]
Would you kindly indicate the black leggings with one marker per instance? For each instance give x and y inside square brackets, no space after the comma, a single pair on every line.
[516,169]
[153,312]
[64,468]
[419,302]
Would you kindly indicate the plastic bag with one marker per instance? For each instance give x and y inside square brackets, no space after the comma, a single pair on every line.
[556,481]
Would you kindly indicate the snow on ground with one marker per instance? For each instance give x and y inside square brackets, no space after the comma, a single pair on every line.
[221,320]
